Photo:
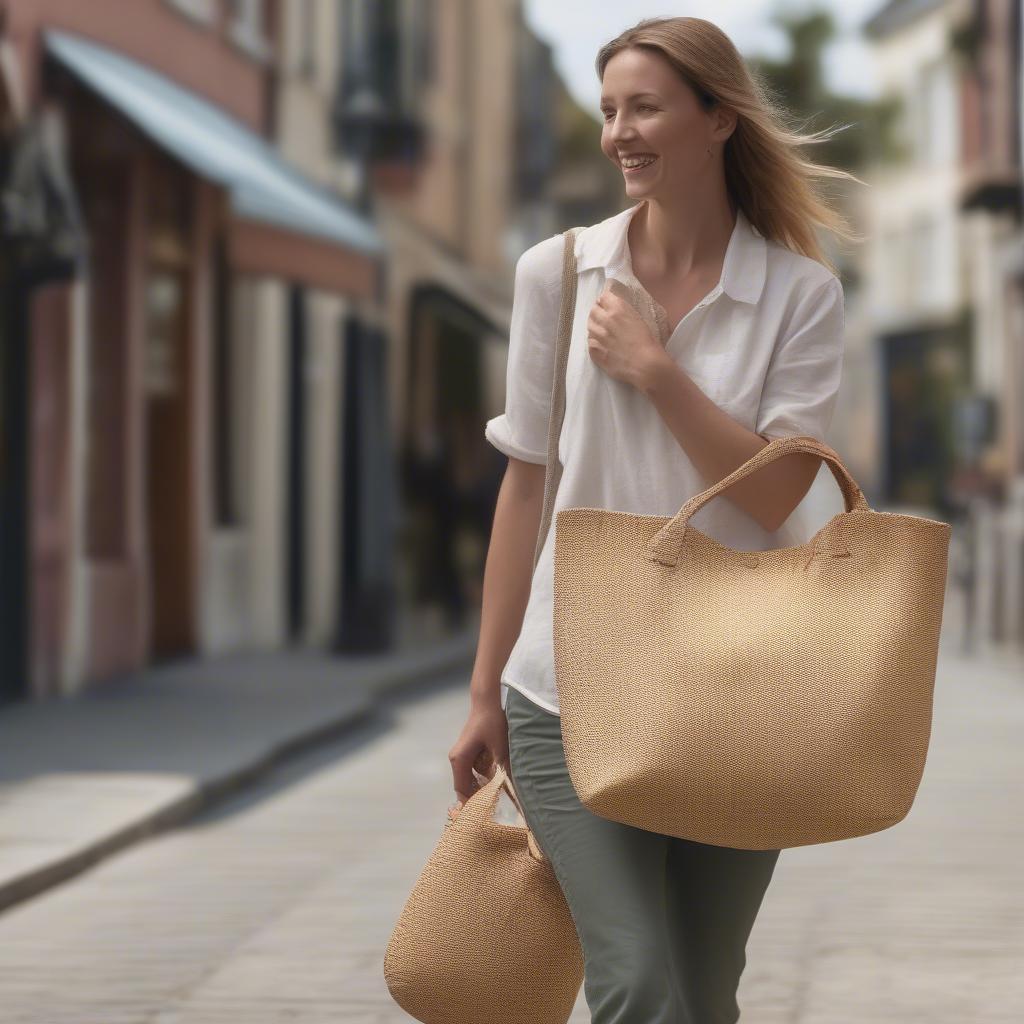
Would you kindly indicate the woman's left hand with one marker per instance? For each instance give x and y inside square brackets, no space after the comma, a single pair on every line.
[619,341]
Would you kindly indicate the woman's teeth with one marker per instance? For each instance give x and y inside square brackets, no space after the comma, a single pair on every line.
[637,163]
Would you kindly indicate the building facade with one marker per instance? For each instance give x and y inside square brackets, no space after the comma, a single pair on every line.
[159,374]
[944,289]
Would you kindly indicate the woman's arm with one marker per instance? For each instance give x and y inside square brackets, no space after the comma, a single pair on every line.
[716,444]
[507,575]
[798,397]
[508,572]
[521,433]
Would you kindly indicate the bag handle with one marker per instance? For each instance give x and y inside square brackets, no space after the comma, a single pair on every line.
[501,779]
[665,545]
[567,310]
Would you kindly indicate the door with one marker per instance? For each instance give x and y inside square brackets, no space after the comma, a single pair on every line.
[296,504]
[167,460]
[367,499]
[13,488]
[924,372]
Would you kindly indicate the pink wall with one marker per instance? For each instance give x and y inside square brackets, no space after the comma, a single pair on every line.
[197,56]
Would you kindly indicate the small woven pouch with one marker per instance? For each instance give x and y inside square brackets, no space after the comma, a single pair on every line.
[486,933]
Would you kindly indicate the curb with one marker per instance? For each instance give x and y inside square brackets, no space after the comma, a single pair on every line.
[205,793]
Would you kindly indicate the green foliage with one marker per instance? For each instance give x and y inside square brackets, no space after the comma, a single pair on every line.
[797,84]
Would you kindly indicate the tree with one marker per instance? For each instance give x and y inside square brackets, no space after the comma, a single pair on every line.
[797,83]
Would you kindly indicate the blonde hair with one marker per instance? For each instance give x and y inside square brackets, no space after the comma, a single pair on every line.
[765,173]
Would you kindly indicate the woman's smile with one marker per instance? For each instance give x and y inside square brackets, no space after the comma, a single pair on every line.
[636,165]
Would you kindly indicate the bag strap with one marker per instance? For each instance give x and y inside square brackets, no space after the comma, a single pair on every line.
[500,779]
[665,545]
[566,314]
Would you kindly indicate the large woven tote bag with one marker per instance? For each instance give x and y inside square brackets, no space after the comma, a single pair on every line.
[750,699]
[486,933]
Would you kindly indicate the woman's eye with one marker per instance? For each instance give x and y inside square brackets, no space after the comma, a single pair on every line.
[643,106]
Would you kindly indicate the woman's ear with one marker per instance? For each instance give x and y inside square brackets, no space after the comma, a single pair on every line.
[725,123]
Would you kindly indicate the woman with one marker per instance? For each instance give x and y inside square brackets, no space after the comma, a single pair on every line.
[707,322]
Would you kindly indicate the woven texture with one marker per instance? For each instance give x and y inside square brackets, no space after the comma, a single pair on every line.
[752,699]
[553,473]
[486,933]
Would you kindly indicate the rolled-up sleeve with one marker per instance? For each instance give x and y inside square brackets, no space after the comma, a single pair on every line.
[521,431]
[805,371]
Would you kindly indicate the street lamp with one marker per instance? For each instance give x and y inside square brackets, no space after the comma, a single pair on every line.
[359,119]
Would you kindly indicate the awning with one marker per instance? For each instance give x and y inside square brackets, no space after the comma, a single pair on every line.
[263,188]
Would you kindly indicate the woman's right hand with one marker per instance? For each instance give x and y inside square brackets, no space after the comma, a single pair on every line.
[482,744]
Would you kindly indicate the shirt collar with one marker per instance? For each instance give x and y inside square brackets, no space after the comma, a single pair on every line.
[743,273]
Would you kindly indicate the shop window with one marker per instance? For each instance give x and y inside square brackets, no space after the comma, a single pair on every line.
[248,27]
[232,307]
[307,14]
[202,11]
[105,190]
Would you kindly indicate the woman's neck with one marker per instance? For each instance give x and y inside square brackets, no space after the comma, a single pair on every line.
[674,242]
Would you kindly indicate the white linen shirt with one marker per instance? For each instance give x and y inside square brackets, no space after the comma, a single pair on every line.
[765,344]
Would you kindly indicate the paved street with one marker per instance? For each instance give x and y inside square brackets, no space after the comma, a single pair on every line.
[277,906]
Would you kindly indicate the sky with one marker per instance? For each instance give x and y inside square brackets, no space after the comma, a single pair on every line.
[576,30]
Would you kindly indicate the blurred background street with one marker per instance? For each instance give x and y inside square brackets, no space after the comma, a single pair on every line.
[256,266]
[276,905]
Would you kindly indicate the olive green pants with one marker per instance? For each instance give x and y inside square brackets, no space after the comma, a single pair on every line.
[663,921]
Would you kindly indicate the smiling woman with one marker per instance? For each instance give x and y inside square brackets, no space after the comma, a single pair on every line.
[705,321]
[692,138]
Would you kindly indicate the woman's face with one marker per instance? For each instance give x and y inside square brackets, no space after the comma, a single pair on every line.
[650,111]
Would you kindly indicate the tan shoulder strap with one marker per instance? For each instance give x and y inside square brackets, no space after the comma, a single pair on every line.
[565,318]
